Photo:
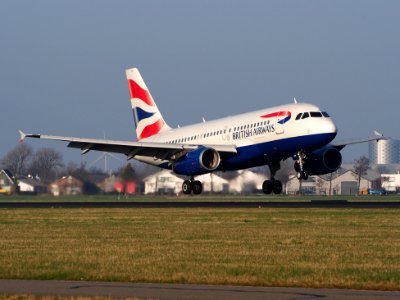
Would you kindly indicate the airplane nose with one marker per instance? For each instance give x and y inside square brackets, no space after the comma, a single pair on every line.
[330,127]
[326,127]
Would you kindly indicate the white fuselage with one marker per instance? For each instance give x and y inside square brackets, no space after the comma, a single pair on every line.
[257,135]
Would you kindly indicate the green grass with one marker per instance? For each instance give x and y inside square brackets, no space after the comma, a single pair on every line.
[343,248]
[191,198]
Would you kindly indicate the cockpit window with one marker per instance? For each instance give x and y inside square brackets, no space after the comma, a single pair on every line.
[298,117]
[305,115]
[325,114]
[316,114]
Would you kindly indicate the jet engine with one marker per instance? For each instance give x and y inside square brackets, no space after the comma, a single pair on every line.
[196,162]
[323,161]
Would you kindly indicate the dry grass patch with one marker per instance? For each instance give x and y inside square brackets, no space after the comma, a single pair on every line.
[346,248]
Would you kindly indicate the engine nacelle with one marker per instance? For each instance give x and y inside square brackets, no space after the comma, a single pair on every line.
[200,161]
[323,161]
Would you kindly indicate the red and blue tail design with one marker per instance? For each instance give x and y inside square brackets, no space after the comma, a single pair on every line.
[148,119]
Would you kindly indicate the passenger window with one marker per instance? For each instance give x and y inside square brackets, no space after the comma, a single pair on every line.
[305,115]
[298,117]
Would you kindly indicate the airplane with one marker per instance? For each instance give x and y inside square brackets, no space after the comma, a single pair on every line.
[300,131]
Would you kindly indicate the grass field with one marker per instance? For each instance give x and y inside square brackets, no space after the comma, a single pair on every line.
[345,248]
[192,198]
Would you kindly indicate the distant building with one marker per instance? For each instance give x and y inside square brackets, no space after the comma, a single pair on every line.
[162,182]
[29,185]
[165,182]
[341,183]
[391,182]
[7,184]
[314,185]
[384,152]
[67,185]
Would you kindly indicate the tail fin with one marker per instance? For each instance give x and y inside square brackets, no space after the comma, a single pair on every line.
[148,119]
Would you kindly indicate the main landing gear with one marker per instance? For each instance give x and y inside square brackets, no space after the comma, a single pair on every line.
[189,186]
[299,166]
[272,185]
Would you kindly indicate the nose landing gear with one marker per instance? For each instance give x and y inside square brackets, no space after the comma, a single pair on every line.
[299,166]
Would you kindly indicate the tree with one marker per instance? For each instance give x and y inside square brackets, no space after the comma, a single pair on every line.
[361,166]
[45,162]
[17,159]
[69,169]
[127,173]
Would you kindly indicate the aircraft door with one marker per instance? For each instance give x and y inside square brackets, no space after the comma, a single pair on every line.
[226,134]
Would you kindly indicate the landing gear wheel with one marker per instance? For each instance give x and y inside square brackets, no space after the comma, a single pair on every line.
[267,187]
[302,175]
[277,187]
[197,187]
[187,187]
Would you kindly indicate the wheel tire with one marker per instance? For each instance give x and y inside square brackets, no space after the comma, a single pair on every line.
[277,187]
[267,187]
[187,187]
[197,187]
[302,175]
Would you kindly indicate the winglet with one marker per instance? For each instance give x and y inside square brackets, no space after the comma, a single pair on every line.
[22,136]
[295,100]
[377,133]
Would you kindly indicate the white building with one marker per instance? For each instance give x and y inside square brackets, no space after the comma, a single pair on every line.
[345,183]
[168,183]
[384,152]
[30,186]
[390,182]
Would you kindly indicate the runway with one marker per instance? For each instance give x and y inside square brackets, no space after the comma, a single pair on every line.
[180,291]
[206,204]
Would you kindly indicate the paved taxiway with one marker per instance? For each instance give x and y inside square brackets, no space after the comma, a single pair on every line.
[198,204]
[181,291]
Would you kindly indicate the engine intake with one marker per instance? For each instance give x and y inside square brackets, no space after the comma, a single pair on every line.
[200,161]
[323,161]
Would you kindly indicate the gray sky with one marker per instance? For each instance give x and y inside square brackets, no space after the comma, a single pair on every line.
[62,64]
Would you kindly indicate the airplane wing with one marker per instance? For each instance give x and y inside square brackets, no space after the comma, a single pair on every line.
[341,144]
[163,151]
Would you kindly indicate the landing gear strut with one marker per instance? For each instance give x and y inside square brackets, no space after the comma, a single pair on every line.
[272,185]
[299,166]
[189,186]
